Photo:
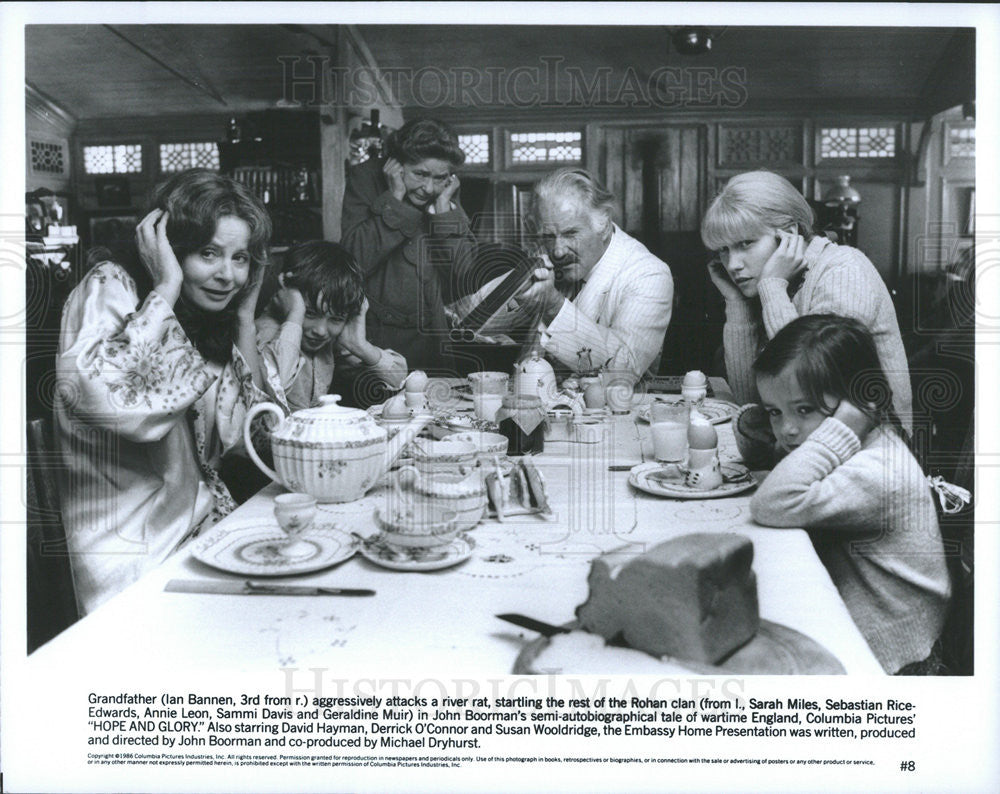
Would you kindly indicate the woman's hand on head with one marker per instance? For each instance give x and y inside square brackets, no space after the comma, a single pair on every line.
[247,308]
[158,257]
[856,419]
[723,283]
[788,259]
[443,202]
[393,171]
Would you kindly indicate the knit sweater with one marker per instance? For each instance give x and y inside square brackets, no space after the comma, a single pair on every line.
[838,280]
[871,518]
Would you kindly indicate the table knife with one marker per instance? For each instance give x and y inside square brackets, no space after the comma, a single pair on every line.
[252,588]
[543,628]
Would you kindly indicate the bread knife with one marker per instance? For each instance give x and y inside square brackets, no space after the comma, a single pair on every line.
[250,588]
[543,628]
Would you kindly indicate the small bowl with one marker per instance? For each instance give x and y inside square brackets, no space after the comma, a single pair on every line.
[488,444]
[417,532]
[444,455]
[589,431]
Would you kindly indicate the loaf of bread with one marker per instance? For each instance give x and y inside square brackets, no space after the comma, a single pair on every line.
[693,597]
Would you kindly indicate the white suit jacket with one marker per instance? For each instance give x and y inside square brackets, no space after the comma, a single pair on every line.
[622,312]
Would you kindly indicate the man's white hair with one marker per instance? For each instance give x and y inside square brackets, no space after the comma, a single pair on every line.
[574,183]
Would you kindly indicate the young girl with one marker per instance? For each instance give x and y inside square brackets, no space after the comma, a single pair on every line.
[157,366]
[772,269]
[849,479]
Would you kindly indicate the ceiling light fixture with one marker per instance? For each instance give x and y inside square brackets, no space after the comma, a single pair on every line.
[692,41]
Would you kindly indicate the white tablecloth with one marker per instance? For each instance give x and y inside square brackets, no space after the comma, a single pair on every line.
[444,621]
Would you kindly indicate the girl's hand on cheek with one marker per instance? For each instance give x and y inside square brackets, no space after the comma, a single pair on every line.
[788,259]
[723,283]
[856,419]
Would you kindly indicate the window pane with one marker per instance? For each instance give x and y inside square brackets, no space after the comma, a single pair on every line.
[99,159]
[119,159]
[852,142]
[546,147]
[962,141]
[180,156]
[476,148]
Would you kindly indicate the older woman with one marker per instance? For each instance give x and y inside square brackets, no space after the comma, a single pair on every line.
[157,366]
[411,238]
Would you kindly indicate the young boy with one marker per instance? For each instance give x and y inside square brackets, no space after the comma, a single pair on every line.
[316,321]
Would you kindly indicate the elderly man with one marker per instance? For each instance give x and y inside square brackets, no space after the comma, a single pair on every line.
[600,290]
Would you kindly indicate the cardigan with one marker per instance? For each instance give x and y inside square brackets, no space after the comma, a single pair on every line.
[838,280]
[869,512]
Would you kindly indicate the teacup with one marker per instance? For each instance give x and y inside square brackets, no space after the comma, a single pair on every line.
[438,495]
[416,531]
[295,513]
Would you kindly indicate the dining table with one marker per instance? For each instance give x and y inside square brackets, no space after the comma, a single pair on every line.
[445,620]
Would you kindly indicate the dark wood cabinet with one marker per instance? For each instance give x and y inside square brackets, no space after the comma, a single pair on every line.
[277,154]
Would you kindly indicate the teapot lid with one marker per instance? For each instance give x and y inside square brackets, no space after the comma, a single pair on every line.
[329,409]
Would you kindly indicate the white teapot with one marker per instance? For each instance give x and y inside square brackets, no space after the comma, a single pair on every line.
[333,453]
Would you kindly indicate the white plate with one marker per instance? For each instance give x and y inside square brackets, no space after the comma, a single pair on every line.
[639,478]
[417,559]
[252,548]
[716,411]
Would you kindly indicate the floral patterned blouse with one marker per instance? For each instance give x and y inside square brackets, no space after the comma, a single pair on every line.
[142,420]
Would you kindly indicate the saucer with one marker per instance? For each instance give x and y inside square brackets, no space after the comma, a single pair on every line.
[433,558]
[253,548]
[716,411]
[737,479]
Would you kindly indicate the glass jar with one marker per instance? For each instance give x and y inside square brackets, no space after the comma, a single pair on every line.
[521,420]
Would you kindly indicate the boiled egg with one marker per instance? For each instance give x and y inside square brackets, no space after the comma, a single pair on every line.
[701,434]
[395,408]
[416,381]
[695,378]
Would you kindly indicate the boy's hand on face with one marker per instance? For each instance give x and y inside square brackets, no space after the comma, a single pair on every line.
[788,259]
[354,339]
[289,305]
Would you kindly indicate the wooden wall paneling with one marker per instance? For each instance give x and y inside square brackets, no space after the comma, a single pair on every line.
[670,166]
[614,176]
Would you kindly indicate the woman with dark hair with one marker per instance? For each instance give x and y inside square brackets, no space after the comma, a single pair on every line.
[402,222]
[157,366]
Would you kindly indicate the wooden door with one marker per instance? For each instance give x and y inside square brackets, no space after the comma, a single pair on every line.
[658,175]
